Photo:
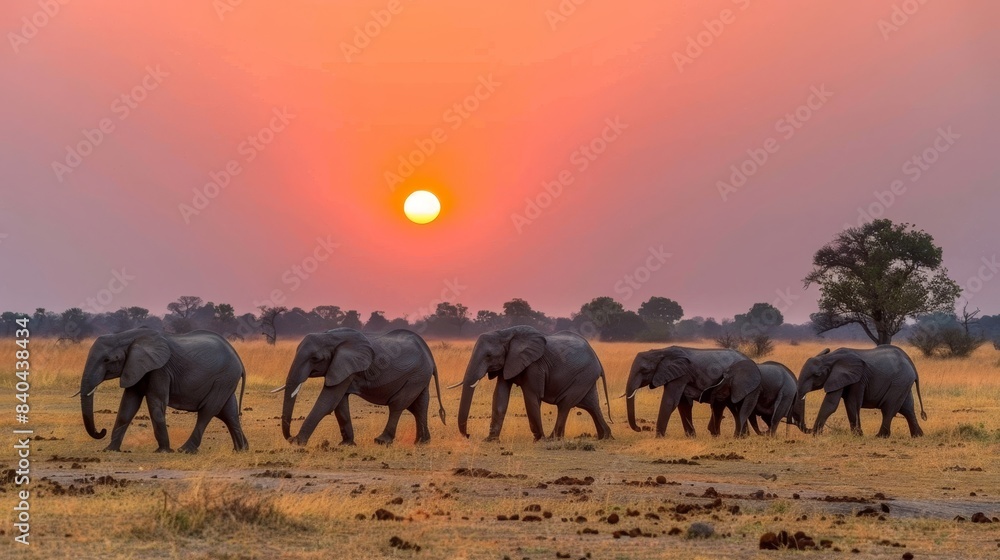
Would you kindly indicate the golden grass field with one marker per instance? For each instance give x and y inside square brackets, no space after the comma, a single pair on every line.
[319,501]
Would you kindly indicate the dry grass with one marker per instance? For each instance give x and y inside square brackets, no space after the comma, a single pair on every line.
[215,504]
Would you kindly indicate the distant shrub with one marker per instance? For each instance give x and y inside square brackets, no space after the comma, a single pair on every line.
[926,340]
[960,344]
[996,343]
[949,342]
[727,340]
[757,346]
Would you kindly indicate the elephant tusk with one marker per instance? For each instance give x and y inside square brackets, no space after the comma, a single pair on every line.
[459,384]
[278,389]
[622,396]
[632,396]
[296,391]
[75,394]
[92,391]
[473,386]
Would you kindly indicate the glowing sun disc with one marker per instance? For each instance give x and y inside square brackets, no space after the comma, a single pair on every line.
[421,207]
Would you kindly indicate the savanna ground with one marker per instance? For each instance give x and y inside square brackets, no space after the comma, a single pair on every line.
[276,501]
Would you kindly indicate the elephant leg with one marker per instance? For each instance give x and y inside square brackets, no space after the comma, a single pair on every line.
[533,407]
[746,409]
[782,410]
[830,403]
[389,433]
[911,416]
[501,397]
[131,400]
[889,410]
[715,422]
[419,411]
[755,425]
[853,398]
[194,441]
[343,415]
[592,404]
[327,401]
[684,407]
[230,416]
[559,430]
[157,396]
[671,398]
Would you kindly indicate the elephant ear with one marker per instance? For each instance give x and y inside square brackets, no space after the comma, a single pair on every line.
[669,369]
[523,350]
[145,354]
[846,371]
[351,356]
[745,378]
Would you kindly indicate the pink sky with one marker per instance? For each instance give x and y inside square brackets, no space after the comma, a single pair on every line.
[211,82]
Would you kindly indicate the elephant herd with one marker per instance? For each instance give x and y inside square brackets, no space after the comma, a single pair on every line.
[199,372]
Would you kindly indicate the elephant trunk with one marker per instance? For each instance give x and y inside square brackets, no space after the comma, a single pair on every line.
[631,387]
[798,414]
[297,375]
[89,384]
[287,408]
[473,373]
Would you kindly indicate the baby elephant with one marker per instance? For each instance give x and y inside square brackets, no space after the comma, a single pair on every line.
[393,369]
[775,402]
[196,372]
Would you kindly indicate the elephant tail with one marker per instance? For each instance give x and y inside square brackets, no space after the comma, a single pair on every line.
[923,415]
[243,388]
[607,399]
[437,387]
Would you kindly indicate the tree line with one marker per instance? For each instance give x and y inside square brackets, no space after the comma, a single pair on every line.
[876,281]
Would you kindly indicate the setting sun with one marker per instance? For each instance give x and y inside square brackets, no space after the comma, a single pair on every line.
[421,207]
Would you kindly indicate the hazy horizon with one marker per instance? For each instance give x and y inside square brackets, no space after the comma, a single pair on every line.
[571,152]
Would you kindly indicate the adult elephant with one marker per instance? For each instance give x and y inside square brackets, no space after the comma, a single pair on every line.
[880,377]
[560,369]
[392,369]
[776,401]
[685,375]
[196,372]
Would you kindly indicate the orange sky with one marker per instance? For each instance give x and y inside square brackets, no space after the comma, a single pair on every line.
[542,94]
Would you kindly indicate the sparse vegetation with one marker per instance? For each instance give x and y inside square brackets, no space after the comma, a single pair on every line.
[356,500]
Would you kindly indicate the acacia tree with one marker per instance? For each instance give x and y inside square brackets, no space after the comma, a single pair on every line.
[877,275]
[268,315]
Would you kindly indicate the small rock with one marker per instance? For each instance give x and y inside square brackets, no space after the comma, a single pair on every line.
[700,531]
